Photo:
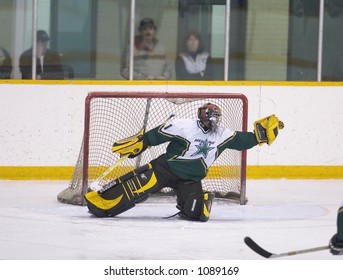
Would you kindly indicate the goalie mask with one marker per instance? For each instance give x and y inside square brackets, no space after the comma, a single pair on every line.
[210,116]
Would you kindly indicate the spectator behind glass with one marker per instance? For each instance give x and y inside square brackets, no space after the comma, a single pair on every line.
[48,61]
[150,60]
[5,64]
[193,63]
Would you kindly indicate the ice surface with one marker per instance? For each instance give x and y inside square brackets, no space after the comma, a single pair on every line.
[281,216]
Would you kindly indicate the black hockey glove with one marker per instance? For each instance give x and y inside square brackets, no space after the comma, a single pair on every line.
[336,247]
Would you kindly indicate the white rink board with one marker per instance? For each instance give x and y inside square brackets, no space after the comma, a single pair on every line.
[42,125]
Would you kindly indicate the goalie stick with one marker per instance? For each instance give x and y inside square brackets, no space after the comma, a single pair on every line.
[95,185]
[262,252]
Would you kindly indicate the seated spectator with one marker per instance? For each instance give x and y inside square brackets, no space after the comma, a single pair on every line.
[48,61]
[5,64]
[150,60]
[193,63]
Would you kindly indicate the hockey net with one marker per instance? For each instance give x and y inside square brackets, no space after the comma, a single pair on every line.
[112,116]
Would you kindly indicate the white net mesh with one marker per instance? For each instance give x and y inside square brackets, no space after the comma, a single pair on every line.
[114,116]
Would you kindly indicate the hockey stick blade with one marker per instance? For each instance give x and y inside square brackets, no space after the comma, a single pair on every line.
[256,248]
[259,250]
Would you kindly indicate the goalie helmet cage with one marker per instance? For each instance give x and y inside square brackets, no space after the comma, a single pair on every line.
[112,116]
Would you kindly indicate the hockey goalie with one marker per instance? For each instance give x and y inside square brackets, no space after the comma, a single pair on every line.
[194,144]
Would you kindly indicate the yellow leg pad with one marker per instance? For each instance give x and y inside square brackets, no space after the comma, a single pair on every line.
[151,183]
[206,212]
[207,205]
[123,193]
[101,203]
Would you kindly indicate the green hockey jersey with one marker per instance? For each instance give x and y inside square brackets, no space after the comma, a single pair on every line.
[192,148]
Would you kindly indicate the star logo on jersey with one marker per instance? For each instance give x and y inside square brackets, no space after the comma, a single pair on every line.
[203,148]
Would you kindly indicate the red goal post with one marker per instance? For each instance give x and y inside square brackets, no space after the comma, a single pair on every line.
[111,116]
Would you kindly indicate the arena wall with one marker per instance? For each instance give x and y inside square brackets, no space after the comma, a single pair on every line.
[41,125]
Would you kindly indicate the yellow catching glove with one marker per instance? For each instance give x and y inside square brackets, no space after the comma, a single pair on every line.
[267,129]
[132,145]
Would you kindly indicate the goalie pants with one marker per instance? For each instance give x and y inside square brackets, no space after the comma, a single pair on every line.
[123,193]
[193,203]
